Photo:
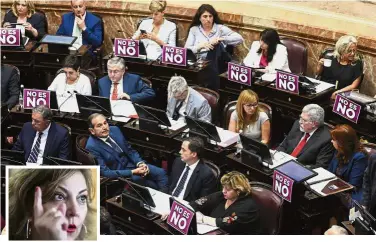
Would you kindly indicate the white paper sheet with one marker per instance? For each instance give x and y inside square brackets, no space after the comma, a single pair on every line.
[322,85]
[123,108]
[70,106]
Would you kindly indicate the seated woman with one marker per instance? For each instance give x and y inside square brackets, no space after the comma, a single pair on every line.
[269,52]
[158,30]
[52,204]
[346,68]
[233,209]
[206,32]
[71,80]
[249,119]
[23,11]
[349,161]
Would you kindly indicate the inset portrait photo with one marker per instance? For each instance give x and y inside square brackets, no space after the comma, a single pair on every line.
[52,203]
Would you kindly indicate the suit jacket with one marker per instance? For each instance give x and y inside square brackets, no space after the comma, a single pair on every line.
[10,86]
[113,164]
[132,85]
[318,150]
[93,33]
[279,61]
[197,106]
[201,183]
[352,172]
[57,144]
[369,186]
[37,20]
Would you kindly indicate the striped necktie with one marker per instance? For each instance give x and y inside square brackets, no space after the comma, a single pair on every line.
[33,157]
[180,186]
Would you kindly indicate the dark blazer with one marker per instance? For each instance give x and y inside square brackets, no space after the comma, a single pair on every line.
[93,33]
[201,183]
[37,20]
[369,186]
[10,85]
[57,144]
[242,217]
[132,85]
[352,172]
[317,152]
[111,163]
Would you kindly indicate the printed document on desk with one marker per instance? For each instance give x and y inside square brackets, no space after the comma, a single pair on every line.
[70,105]
[333,186]
[322,176]
[278,158]
[124,108]
[176,124]
[322,85]
[227,137]
[162,206]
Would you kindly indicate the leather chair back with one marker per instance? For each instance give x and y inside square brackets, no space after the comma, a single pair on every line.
[215,169]
[271,207]
[17,70]
[229,108]
[81,153]
[92,77]
[66,127]
[267,109]
[297,55]
[147,82]
[370,148]
[212,97]
[44,19]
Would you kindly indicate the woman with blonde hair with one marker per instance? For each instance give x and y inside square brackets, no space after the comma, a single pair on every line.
[156,31]
[51,204]
[346,68]
[23,12]
[233,209]
[250,118]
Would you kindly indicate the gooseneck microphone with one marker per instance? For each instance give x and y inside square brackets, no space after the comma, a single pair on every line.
[71,94]
[202,128]
[144,109]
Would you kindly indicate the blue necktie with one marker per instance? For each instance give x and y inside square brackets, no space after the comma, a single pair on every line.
[114,145]
[181,183]
[33,157]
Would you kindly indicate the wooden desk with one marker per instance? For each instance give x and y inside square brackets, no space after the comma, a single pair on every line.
[164,229]
[19,58]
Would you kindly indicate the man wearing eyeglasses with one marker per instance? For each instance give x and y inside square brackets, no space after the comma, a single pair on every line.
[309,140]
[122,85]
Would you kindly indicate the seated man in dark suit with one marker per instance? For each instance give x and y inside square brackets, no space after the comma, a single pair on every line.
[191,178]
[10,85]
[309,140]
[42,137]
[369,186]
[184,100]
[84,25]
[116,157]
[121,85]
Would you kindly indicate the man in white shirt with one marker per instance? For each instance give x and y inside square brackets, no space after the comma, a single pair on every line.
[190,177]
[41,137]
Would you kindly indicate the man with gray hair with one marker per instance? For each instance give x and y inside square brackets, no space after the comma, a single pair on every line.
[184,100]
[122,85]
[309,140]
[42,137]
[336,230]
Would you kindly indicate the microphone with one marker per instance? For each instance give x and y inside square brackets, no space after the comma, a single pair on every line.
[151,213]
[144,109]
[203,129]
[71,94]
[96,104]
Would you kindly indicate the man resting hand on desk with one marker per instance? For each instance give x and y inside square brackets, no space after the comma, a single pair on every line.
[116,157]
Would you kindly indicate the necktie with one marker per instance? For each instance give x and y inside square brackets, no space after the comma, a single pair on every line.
[300,146]
[114,145]
[181,183]
[33,157]
[114,95]
[175,115]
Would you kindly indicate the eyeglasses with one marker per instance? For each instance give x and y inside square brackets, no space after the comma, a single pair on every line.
[69,73]
[304,120]
[114,71]
[250,105]
[351,51]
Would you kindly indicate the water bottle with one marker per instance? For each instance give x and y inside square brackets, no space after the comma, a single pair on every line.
[239,144]
[20,99]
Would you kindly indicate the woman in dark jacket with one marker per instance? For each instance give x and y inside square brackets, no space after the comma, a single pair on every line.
[233,209]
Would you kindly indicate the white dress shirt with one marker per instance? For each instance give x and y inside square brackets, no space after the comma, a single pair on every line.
[43,141]
[77,32]
[191,170]
[119,87]
[60,86]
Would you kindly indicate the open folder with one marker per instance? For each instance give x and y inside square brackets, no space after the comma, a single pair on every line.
[329,187]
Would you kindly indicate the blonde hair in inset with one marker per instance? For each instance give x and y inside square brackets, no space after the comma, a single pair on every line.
[238,182]
[157,6]
[30,7]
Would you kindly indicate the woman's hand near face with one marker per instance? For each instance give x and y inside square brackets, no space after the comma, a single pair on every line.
[7,25]
[50,224]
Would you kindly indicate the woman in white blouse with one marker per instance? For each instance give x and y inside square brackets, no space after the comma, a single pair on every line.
[158,31]
[269,52]
[71,80]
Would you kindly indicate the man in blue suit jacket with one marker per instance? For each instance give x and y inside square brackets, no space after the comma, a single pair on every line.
[53,141]
[121,85]
[117,158]
[87,23]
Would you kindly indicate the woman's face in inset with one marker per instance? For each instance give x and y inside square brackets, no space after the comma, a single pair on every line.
[73,192]
[21,7]
[349,55]
[206,19]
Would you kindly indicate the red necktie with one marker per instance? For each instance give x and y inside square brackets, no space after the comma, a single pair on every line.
[114,95]
[300,146]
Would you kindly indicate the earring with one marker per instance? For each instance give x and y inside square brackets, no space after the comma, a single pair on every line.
[28,229]
[85,228]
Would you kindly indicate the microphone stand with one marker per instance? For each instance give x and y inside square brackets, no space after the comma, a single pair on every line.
[71,94]
[150,213]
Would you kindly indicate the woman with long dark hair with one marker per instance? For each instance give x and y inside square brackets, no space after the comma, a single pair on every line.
[349,161]
[269,52]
